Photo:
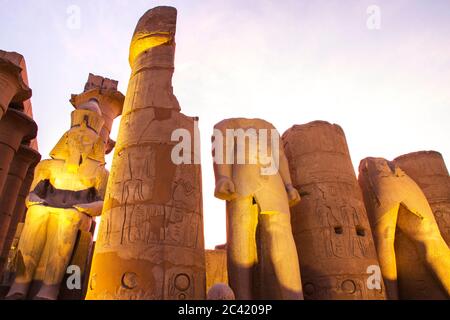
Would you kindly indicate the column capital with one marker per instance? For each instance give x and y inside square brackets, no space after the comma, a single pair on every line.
[13,87]
[16,127]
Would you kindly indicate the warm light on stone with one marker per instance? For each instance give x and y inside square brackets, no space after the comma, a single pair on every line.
[67,191]
[150,243]
[428,170]
[330,225]
[395,202]
[299,224]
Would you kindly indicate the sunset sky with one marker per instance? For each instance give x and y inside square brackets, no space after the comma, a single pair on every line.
[288,62]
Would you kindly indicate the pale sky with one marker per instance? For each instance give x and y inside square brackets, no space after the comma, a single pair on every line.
[289,62]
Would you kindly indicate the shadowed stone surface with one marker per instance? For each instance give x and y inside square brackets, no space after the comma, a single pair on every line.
[13,86]
[23,159]
[428,170]
[395,202]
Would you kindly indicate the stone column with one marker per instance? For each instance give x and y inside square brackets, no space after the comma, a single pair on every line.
[428,170]
[150,243]
[110,101]
[15,128]
[330,225]
[13,89]
[13,208]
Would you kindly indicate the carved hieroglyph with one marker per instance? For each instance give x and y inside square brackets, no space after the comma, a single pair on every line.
[428,170]
[394,201]
[330,225]
[150,243]
[256,184]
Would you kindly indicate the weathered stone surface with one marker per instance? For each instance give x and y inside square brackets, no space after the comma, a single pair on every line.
[330,225]
[216,267]
[395,202]
[220,291]
[82,253]
[256,196]
[110,101]
[15,128]
[428,170]
[24,157]
[11,261]
[13,87]
[150,243]
[19,212]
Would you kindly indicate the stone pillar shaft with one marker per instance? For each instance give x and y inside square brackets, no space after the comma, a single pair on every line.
[330,225]
[150,243]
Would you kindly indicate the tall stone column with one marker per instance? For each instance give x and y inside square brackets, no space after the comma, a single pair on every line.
[13,88]
[150,243]
[110,101]
[428,170]
[12,204]
[330,225]
[15,127]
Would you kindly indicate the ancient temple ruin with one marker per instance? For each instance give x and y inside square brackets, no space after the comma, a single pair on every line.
[309,230]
